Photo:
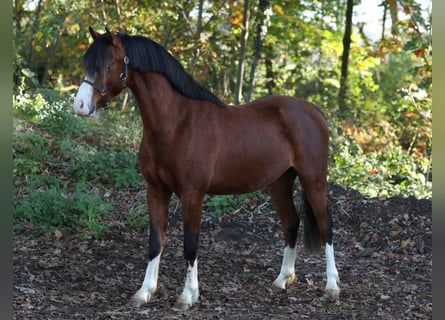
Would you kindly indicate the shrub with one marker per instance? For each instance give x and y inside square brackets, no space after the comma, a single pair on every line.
[137,218]
[219,205]
[390,172]
[114,168]
[52,209]
[29,152]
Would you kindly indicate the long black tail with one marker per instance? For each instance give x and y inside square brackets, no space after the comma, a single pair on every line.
[313,239]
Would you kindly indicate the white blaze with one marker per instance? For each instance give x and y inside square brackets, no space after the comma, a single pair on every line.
[83,100]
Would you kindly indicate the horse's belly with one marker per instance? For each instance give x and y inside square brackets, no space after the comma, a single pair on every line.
[241,176]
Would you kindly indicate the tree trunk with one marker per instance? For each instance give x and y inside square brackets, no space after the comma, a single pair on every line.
[270,83]
[119,15]
[199,29]
[345,57]
[261,30]
[52,53]
[385,10]
[242,54]
[392,4]
[35,28]
[200,11]
[104,12]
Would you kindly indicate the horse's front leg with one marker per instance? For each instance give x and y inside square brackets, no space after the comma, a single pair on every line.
[192,213]
[158,201]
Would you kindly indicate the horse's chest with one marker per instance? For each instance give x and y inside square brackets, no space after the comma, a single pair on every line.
[158,162]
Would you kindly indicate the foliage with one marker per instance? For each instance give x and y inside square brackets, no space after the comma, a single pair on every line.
[115,168]
[51,209]
[219,205]
[59,162]
[384,173]
[137,218]
[33,152]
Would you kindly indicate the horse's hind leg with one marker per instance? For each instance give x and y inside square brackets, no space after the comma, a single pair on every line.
[158,209]
[319,227]
[281,195]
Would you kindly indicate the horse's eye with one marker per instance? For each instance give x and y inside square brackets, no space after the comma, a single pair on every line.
[109,67]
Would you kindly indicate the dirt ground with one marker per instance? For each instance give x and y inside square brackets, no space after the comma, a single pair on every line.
[383,252]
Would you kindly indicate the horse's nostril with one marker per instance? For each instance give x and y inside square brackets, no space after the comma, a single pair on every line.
[81,105]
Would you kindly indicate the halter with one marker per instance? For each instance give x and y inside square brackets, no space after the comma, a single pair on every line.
[105,92]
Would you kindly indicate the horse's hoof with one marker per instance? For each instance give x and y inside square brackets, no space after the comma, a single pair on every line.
[283,282]
[140,298]
[332,293]
[137,302]
[186,300]
[332,290]
[181,306]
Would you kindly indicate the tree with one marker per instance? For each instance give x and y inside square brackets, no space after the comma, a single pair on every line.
[242,52]
[393,10]
[345,57]
[262,22]
[309,49]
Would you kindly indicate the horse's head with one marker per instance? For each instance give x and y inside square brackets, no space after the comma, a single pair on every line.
[106,67]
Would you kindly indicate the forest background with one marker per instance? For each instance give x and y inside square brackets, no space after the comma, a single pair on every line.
[375,91]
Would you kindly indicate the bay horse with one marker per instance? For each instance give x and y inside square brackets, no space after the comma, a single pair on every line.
[194,144]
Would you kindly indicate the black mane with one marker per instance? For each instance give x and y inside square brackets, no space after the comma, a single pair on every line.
[147,55]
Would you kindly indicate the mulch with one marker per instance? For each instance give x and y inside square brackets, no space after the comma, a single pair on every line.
[383,251]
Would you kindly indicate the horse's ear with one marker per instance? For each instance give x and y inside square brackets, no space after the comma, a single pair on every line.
[111,37]
[93,33]
[108,32]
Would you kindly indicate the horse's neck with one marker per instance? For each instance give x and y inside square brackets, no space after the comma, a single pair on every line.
[159,104]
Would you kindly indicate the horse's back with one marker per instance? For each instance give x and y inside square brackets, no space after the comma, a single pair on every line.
[287,104]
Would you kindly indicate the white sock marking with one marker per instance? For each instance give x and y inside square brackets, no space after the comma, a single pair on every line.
[150,284]
[331,271]
[287,272]
[190,294]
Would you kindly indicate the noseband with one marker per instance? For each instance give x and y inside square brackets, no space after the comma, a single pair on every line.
[105,92]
